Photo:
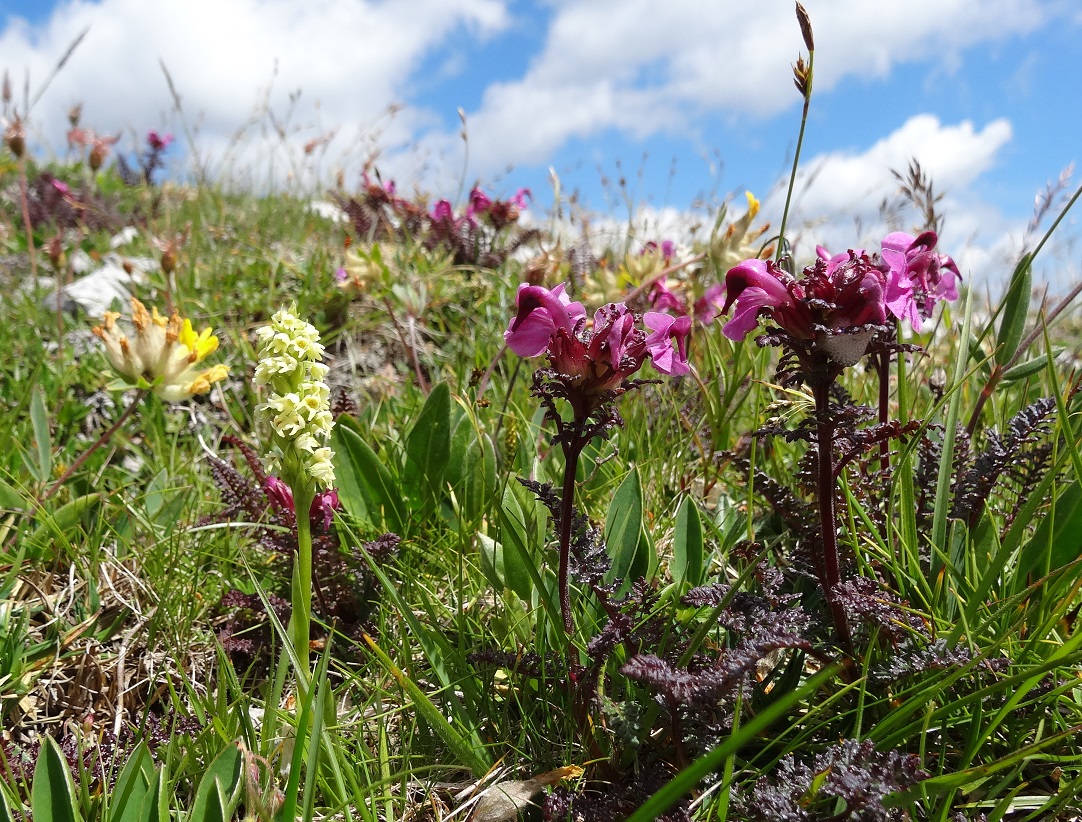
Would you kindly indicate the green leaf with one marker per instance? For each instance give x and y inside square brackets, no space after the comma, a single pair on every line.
[471,470]
[52,797]
[151,809]
[365,486]
[517,558]
[623,529]
[213,809]
[1055,542]
[62,523]
[221,783]
[5,808]
[1015,310]
[10,499]
[428,447]
[132,787]
[687,563]
[460,746]
[1024,370]
[39,417]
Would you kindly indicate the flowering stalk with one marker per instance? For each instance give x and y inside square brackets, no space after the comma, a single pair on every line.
[589,369]
[830,573]
[297,412]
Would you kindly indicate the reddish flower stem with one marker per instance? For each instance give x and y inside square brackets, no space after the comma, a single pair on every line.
[572,450]
[831,568]
[882,365]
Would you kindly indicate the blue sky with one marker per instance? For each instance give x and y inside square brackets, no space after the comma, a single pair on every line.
[687,100]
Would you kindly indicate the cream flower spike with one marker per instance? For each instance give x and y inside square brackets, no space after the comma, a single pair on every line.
[298,409]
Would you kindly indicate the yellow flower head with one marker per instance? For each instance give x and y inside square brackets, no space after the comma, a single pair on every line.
[160,352]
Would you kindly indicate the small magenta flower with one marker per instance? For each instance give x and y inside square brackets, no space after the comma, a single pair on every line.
[541,312]
[663,298]
[709,306]
[442,212]
[323,506]
[838,303]
[924,275]
[667,343]
[521,198]
[158,142]
[479,203]
[590,361]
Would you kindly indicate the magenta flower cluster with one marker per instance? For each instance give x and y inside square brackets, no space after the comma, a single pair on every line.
[842,293]
[500,213]
[598,356]
[323,506]
[158,142]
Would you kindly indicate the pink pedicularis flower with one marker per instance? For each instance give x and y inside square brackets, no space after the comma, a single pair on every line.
[836,303]
[158,142]
[842,294]
[599,358]
[922,274]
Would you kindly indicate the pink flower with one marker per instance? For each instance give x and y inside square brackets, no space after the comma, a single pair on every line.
[520,198]
[662,298]
[592,361]
[158,142]
[667,248]
[709,306]
[837,294]
[923,275]
[321,511]
[442,212]
[754,285]
[541,312]
[479,203]
[667,344]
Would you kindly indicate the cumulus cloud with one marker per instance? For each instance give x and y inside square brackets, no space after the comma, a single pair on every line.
[316,65]
[838,197]
[641,67]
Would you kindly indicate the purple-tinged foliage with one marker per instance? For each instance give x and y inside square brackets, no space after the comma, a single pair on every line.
[346,592]
[853,772]
[869,603]
[611,801]
[1019,457]
[485,236]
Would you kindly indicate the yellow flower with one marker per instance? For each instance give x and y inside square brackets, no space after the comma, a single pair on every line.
[160,353]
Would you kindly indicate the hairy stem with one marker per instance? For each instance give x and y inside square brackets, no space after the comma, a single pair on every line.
[882,366]
[827,515]
[572,450]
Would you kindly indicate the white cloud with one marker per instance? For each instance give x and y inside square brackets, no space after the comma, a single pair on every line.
[349,59]
[837,200]
[855,183]
[643,67]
